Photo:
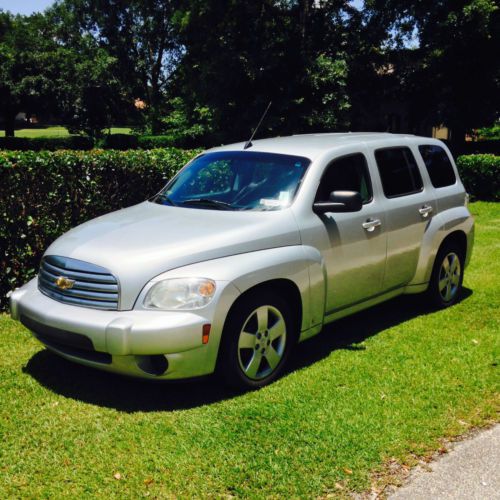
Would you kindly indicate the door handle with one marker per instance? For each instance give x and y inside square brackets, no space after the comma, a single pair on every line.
[425,211]
[371,224]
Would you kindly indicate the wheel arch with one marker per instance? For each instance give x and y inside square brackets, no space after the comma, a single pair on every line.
[446,294]
[457,237]
[454,225]
[285,287]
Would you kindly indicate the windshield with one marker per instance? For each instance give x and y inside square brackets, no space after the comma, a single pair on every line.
[236,180]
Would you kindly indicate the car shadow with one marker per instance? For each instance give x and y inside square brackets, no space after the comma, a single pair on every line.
[130,395]
[347,333]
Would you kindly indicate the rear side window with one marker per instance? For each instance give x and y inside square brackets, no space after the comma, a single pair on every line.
[398,171]
[438,165]
[349,173]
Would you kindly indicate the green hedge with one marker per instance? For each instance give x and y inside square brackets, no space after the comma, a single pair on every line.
[128,141]
[124,142]
[481,175]
[73,142]
[155,141]
[120,142]
[44,194]
[491,146]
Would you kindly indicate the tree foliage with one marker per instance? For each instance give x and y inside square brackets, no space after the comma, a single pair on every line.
[241,55]
[203,72]
[45,71]
[140,36]
[27,67]
[451,71]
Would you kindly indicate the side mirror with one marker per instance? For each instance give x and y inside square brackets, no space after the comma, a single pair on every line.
[340,201]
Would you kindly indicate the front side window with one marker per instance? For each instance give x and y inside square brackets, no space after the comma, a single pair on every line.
[398,171]
[438,165]
[349,173]
[236,180]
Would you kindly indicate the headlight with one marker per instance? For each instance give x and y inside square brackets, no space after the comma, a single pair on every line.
[180,293]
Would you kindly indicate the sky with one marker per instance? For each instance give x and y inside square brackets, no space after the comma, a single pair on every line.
[25,6]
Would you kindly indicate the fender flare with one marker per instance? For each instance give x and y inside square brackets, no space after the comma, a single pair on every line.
[302,265]
[439,227]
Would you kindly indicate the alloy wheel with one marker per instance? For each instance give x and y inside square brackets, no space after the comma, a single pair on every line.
[261,343]
[449,277]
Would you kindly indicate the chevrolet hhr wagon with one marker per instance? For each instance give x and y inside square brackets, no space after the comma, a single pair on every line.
[248,251]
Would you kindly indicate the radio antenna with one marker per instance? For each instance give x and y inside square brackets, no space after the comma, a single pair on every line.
[248,144]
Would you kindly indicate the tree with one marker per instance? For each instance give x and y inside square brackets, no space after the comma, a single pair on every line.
[26,76]
[44,72]
[139,35]
[452,70]
[241,55]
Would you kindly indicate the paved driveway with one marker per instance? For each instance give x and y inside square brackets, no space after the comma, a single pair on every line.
[471,470]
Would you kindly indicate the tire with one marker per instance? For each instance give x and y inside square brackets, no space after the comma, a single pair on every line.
[447,276]
[258,337]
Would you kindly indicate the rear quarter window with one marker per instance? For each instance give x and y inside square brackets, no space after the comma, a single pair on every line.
[398,171]
[438,165]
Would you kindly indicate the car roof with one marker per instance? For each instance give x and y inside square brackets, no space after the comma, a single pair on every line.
[312,145]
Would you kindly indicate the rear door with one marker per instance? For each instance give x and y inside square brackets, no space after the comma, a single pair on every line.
[450,192]
[409,207]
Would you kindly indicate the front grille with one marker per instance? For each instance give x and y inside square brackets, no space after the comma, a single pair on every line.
[93,286]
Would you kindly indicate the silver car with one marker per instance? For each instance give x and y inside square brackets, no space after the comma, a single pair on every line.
[248,251]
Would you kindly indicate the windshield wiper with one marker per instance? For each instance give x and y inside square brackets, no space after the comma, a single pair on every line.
[164,197]
[221,205]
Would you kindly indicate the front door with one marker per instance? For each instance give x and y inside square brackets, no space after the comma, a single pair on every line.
[354,244]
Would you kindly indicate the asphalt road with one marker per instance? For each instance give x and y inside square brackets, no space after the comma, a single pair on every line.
[471,471]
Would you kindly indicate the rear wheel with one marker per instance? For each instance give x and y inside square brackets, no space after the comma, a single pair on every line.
[447,276]
[258,337]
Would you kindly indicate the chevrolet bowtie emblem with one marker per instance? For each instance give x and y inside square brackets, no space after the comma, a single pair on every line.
[64,283]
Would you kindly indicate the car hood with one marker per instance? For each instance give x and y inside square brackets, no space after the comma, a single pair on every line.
[140,242]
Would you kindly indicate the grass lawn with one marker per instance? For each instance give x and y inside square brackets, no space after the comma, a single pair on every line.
[380,387]
[56,132]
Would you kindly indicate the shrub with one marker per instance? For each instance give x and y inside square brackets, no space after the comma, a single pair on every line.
[481,175]
[44,194]
[489,133]
[155,141]
[77,142]
[73,142]
[120,142]
[491,146]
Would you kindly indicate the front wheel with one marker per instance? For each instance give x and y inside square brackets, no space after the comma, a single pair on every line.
[257,340]
[447,276]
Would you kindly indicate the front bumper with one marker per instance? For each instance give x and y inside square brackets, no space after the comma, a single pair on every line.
[126,342]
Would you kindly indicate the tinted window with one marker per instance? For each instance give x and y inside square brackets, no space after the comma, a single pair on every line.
[236,180]
[398,171]
[438,165]
[349,173]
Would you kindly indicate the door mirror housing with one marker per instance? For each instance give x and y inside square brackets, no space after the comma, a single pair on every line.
[340,201]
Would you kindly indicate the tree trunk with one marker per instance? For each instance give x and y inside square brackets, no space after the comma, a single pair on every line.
[457,142]
[9,124]
[154,112]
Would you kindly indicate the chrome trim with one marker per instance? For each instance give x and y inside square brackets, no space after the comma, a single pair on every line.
[94,286]
[76,275]
[371,224]
[425,211]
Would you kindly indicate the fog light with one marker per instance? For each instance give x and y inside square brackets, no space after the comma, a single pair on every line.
[155,364]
